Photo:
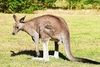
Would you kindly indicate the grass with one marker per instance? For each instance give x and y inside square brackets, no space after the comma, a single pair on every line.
[85,42]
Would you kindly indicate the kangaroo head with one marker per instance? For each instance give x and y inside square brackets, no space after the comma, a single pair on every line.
[19,24]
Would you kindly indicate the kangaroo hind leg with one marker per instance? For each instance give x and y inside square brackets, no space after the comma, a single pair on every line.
[56,52]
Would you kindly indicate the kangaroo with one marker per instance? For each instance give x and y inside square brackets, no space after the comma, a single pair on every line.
[48,27]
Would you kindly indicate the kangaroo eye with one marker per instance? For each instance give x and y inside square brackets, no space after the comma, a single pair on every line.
[17,27]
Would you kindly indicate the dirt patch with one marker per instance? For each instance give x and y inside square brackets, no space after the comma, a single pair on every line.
[68,12]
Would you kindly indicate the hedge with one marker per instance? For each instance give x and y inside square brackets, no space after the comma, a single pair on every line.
[28,6]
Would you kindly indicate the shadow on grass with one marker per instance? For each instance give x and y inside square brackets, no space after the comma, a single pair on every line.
[33,53]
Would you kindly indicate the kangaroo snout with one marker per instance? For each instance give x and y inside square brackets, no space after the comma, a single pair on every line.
[13,33]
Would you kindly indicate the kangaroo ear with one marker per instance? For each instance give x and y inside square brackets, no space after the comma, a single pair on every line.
[15,18]
[22,19]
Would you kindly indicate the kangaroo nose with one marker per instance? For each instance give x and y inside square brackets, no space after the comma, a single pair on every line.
[13,33]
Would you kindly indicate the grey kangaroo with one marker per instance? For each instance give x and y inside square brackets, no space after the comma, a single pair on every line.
[48,27]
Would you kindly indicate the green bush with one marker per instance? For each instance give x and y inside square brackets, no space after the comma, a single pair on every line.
[11,6]
[82,4]
[28,6]
[49,3]
[24,6]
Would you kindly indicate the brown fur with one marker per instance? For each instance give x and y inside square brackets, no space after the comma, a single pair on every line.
[47,27]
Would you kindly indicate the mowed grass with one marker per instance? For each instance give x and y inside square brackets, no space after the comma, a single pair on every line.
[85,42]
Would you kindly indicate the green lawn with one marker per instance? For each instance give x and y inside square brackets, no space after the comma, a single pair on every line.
[85,42]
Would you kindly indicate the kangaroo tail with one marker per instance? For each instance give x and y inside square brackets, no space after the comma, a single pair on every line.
[66,41]
[86,60]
